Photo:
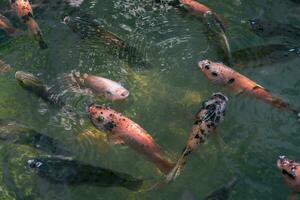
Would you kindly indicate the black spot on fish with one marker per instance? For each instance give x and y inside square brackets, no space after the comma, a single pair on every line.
[284,172]
[110,125]
[202,131]
[187,153]
[214,73]
[197,122]
[197,136]
[231,81]
[217,120]
[207,66]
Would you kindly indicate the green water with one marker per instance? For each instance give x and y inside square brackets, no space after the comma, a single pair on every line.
[163,100]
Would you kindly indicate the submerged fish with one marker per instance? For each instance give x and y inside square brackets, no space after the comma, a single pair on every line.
[65,170]
[36,86]
[24,11]
[268,28]
[216,32]
[89,28]
[97,85]
[14,132]
[210,116]
[220,74]
[7,26]
[4,67]
[265,55]
[223,193]
[122,130]
[290,171]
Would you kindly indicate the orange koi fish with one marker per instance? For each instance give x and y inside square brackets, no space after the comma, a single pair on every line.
[122,130]
[220,74]
[24,11]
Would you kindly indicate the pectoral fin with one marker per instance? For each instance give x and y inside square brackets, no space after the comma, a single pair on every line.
[114,139]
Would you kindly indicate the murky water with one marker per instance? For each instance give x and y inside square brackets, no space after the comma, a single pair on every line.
[164,97]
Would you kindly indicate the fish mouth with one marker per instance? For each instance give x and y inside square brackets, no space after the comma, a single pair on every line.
[204,64]
[286,173]
[125,94]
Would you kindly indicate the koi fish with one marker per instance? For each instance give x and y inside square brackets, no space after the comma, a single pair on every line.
[210,116]
[86,27]
[265,55]
[4,67]
[17,133]
[290,171]
[65,170]
[267,28]
[122,130]
[33,84]
[222,193]
[216,30]
[7,26]
[24,11]
[97,85]
[220,74]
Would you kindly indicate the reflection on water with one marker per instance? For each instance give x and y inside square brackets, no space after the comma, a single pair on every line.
[163,96]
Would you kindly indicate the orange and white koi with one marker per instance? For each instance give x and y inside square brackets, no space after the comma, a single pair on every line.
[97,85]
[122,130]
[221,74]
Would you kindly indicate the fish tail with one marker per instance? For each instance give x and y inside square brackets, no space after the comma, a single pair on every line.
[227,47]
[71,82]
[175,172]
[134,184]
[35,30]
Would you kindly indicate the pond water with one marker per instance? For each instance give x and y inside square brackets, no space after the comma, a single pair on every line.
[163,99]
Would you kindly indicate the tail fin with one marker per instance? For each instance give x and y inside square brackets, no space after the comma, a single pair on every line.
[175,172]
[133,185]
[35,30]
[215,25]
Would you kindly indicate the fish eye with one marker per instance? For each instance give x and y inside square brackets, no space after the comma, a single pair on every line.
[206,66]
[100,118]
[214,73]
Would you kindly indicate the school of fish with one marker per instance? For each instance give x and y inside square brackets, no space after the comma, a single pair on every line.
[57,166]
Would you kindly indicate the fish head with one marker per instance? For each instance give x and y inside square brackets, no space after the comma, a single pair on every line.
[256,25]
[213,109]
[29,81]
[102,116]
[118,93]
[290,171]
[213,71]
[36,164]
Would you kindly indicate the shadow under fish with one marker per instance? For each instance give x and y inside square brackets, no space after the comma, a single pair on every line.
[86,27]
[14,132]
[268,29]
[265,55]
[64,170]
